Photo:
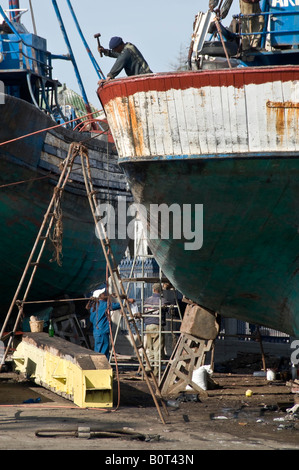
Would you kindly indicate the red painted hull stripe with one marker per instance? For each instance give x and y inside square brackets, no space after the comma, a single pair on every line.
[183,80]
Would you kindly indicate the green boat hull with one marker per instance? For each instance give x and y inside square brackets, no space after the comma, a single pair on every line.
[33,163]
[248,264]
[83,265]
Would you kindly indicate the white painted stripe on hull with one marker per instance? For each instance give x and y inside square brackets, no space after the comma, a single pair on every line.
[208,120]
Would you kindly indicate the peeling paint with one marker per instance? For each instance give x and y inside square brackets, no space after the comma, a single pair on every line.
[208,120]
[136,126]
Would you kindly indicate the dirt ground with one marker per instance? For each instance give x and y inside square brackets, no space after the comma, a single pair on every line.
[224,420]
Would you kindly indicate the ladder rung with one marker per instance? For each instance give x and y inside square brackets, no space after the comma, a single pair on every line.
[34,263]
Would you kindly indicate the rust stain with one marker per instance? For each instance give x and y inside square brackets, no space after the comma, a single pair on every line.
[282,104]
[280,122]
[122,108]
[123,125]
[112,118]
[292,115]
[136,128]
[285,114]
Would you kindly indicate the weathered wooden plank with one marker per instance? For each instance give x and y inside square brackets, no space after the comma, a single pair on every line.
[212,115]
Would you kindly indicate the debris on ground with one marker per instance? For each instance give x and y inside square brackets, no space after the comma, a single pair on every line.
[225,418]
[245,363]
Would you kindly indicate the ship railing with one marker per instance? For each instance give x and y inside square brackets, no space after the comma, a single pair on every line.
[269,36]
[266,32]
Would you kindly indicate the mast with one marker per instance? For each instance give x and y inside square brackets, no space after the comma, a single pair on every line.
[94,62]
[80,83]
[14,5]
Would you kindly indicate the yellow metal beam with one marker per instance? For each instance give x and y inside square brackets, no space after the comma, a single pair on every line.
[74,372]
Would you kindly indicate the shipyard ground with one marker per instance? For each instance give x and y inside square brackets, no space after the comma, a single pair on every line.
[225,420]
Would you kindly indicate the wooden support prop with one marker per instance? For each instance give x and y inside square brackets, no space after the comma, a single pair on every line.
[199,328]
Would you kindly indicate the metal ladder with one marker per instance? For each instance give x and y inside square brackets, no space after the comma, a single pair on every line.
[77,149]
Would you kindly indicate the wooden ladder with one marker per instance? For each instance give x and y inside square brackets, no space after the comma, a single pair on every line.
[39,245]
[77,149]
[119,290]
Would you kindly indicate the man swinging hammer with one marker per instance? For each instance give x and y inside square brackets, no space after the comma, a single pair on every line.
[128,58]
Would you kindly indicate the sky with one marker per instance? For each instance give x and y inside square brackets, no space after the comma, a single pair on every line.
[161,30]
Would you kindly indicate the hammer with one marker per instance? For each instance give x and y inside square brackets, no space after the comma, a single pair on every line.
[99,45]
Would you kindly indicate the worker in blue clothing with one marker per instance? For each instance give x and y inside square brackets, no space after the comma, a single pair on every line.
[128,57]
[99,319]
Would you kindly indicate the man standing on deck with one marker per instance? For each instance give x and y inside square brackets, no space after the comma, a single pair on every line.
[252,22]
[128,57]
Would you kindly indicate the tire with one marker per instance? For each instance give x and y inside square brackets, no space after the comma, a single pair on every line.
[215,48]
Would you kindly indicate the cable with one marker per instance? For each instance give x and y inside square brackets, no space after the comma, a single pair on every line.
[46,129]
[26,181]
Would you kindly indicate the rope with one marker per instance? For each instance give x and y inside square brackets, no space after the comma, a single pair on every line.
[111,337]
[222,41]
[25,181]
[46,129]
[56,236]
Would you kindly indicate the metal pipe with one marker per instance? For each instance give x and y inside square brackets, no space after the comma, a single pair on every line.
[32,18]
[93,60]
